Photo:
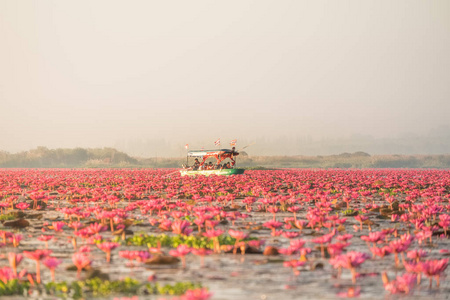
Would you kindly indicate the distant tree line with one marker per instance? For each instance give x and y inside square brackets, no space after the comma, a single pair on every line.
[358,160]
[43,157]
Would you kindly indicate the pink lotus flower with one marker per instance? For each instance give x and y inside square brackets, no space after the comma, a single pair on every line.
[238,235]
[351,260]
[399,246]
[394,218]
[273,225]
[336,249]
[14,260]
[381,252]
[402,284]
[324,239]
[294,209]
[374,237]
[214,234]
[287,251]
[51,263]
[416,255]
[107,247]
[3,206]
[6,274]
[84,249]
[96,228]
[45,238]
[181,227]
[423,235]
[22,205]
[15,239]
[75,225]
[290,234]
[197,294]
[95,239]
[344,237]
[297,244]
[434,268]
[57,226]
[361,219]
[139,256]
[211,223]
[444,222]
[165,225]
[300,224]
[37,255]
[211,233]
[81,261]
[256,243]
[181,251]
[178,214]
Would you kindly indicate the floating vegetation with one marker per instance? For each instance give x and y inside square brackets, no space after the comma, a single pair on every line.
[94,287]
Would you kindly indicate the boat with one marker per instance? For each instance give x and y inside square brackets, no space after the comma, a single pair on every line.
[225,172]
[201,168]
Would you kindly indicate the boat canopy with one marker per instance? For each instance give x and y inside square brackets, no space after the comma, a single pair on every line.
[218,154]
[209,153]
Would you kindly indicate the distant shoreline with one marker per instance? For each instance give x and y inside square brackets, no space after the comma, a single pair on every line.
[43,157]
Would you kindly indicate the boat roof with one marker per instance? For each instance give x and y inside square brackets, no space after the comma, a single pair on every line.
[201,153]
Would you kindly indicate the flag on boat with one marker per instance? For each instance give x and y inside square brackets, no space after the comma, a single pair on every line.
[233,143]
[186,146]
[217,143]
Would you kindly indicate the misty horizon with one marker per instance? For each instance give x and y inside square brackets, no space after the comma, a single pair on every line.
[407,144]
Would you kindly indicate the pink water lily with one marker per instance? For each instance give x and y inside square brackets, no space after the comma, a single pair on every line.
[22,205]
[238,235]
[434,269]
[81,261]
[181,251]
[107,247]
[181,227]
[45,238]
[402,284]
[196,294]
[14,260]
[51,263]
[351,260]
[57,226]
[37,256]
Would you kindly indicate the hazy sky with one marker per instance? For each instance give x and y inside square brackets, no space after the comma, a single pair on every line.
[100,73]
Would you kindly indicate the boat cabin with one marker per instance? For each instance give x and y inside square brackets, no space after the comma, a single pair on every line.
[221,167]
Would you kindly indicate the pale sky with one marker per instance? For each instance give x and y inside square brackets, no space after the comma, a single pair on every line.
[104,73]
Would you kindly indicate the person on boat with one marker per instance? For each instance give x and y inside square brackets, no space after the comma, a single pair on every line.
[196,164]
[233,154]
